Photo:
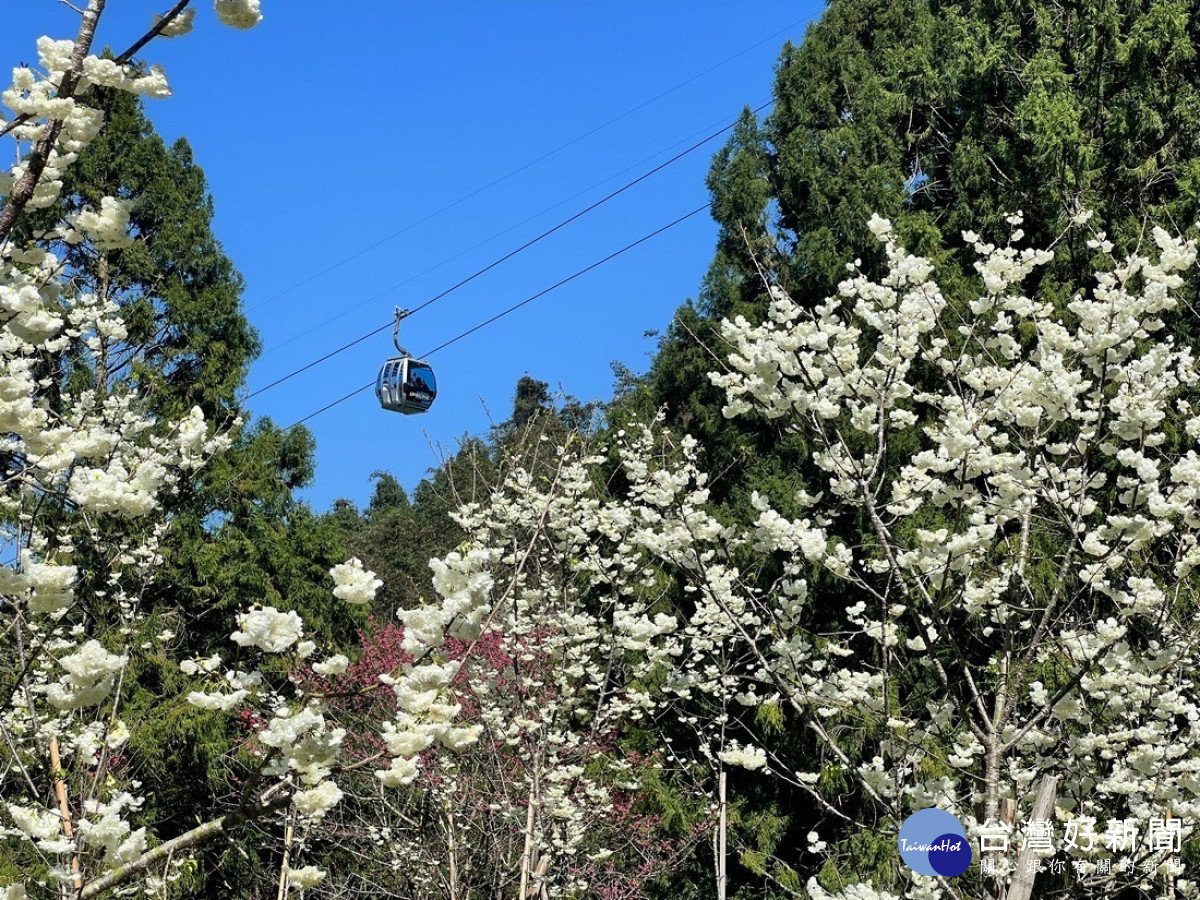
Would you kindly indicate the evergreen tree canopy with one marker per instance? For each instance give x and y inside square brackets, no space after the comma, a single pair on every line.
[189,342]
[946,116]
[943,116]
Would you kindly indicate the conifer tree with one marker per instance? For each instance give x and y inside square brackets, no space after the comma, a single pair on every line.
[189,342]
[942,116]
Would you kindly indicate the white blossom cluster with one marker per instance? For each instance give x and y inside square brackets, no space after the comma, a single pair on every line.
[268,629]
[353,583]
[91,673]
[34,98]
[179,26]
[241,14]
[106,228]
[425,712]
[745,757]
[305,743]
[304,877]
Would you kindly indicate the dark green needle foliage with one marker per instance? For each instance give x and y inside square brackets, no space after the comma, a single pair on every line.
[189,341]
[240,536]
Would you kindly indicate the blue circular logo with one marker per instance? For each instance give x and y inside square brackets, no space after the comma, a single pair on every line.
[933,842]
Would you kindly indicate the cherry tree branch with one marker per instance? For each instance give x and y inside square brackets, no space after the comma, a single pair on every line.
[24,190]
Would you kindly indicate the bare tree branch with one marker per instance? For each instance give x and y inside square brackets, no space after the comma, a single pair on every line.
[197,835]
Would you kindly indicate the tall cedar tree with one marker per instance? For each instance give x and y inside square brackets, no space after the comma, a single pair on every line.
[189,341]
[241,537]
[942,116]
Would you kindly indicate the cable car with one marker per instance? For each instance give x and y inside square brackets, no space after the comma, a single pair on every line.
[405,385]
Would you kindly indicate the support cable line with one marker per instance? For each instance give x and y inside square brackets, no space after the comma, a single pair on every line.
[316,362]
[511,309]
[524,167]
[525,246]
[347,311]
[583,212]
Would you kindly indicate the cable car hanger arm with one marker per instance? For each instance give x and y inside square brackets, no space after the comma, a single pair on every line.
[400,314]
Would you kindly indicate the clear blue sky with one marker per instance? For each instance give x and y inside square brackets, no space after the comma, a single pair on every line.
[334,126]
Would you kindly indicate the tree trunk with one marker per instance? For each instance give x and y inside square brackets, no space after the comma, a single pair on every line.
[527,852]
[452,852]
[721,871]
[288,834]
[1021,887]
[60,791]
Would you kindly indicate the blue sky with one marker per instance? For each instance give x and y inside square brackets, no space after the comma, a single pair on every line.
[335,134]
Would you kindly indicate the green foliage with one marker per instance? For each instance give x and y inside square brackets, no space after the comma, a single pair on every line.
[240,537]
[532,397]
[868,854]
[244,539]
[388,496]
[943,116]
[397,537]
[189,342]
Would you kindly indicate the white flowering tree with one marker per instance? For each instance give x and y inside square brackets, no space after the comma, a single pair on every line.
[1002,529]
[546,646]
[81,492]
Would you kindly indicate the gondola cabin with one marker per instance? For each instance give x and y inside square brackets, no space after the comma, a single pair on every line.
[406,385]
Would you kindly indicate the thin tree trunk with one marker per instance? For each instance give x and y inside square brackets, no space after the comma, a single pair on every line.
[60,791]
[991,809]
[995,742]
[527,852]
[1043,808]
[721,848]
[453,853]
[991,776]
[288,833]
